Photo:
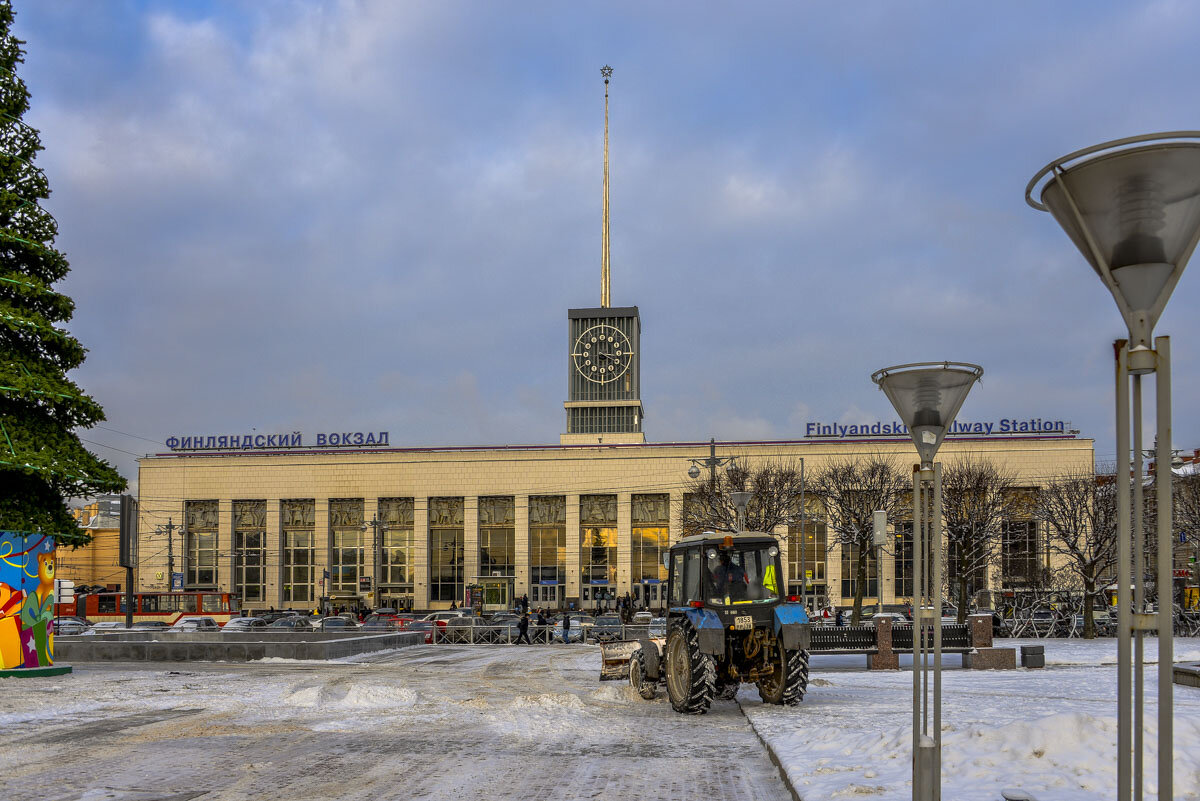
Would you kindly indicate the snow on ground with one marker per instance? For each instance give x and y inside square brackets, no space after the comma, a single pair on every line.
[505,722]
[1050,732]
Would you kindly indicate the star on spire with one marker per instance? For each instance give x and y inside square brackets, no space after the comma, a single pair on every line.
[606,71]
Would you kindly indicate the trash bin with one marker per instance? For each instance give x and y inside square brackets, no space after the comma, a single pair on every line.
[1033,656]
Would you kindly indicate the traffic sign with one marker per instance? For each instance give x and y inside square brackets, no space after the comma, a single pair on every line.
[176,582]
[64,590]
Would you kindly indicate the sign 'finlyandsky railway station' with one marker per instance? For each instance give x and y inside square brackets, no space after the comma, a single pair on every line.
[1005,425]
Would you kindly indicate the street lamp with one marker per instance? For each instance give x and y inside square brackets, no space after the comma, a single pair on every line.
[1132,207]
[927,396]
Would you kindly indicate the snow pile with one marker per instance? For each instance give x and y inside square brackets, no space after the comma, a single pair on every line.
[356,696]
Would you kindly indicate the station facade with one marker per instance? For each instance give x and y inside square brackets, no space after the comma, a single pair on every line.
[566,524]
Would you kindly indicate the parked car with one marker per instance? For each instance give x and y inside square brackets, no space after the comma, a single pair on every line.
[608,627]
[895,617]
[426,626]
[581,626]
[381,623]
[105,627]
[469,628]
[70,625]
[244,624]
[643,617]
[657,627]
[293,623]
[448,614]
[150,625]
[196,624]
[337,624]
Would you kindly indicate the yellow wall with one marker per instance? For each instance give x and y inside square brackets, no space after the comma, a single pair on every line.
[166,482]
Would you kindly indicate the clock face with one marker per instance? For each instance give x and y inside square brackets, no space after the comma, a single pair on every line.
[602,354]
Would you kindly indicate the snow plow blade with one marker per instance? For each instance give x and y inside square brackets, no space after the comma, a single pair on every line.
[614,659]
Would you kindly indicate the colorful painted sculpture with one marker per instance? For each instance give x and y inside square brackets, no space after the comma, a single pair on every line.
[27,565]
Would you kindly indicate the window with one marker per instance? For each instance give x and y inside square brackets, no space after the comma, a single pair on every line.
[850,573]
[298,523]
[212,603]
[691,576]
[1021,565]
[902,567]
[677,578]
[250,550]
[399,544]
[598,539]
[497,537]
[651,537]
[811,543]
[346,561]
[200,542]
[445,549]
[548,543]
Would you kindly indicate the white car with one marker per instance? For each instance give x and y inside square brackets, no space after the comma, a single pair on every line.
[449,614]
[196,624]
[105,626]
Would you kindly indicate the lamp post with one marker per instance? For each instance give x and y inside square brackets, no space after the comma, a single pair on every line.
[927,396]
[377,527]
[1132,207]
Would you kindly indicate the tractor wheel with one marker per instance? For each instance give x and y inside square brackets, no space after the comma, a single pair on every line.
[637,676]
[727,692]
[691,675]
[788,680]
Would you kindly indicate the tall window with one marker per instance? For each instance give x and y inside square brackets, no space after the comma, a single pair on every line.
[250,550]
[399,546]
[1020,562]
[346,537]
[547,547]
[902,567]
[850,573]
[598,539]
[497,537]
[651,536]
[445,549]
[200,517]
[811,541]
[298,520]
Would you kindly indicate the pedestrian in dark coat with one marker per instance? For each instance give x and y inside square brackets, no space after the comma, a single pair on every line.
[839,618]
[566,628]
[523,629]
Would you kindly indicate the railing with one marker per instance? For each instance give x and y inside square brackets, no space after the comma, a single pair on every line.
[955,637]
[844,639]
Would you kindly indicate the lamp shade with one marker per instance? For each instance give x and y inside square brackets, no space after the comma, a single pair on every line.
[1132,207]
[927,396]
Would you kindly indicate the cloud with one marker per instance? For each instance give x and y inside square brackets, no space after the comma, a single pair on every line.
[377,214]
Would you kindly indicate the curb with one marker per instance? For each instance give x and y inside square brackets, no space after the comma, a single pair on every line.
[787,782]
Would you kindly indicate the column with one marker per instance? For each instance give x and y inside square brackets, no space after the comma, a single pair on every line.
[421,557]
[573,567]
[521,544]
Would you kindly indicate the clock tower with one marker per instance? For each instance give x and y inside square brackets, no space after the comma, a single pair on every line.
[604,384]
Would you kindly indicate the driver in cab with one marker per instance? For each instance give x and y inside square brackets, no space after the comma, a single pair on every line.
[729,579]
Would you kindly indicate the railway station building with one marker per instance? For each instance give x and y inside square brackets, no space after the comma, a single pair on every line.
[573,523]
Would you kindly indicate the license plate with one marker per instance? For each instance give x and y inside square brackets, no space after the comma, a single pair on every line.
[743,622]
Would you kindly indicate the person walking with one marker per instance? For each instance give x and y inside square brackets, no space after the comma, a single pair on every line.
[525,603]
[566,629]
[839,618]
[523,629]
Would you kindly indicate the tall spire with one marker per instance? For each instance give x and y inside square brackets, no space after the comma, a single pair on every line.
[605,301]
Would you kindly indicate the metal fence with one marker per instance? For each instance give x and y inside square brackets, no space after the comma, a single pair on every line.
[955,637]
[479,633]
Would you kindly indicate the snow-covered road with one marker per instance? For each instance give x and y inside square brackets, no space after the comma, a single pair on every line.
[506,722]
[430,722]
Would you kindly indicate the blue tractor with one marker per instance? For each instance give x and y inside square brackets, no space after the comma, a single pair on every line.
[728,623]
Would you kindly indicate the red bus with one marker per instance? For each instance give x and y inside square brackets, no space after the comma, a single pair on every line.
[168,607]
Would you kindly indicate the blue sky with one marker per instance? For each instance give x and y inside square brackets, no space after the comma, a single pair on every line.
[374,215]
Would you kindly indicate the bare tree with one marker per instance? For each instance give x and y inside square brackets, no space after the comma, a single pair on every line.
[1186,494]
[1080,514]
[977,499]
[852,490]
[776,500]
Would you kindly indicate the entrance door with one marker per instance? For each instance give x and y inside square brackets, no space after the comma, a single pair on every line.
[497,595]
[546,596]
